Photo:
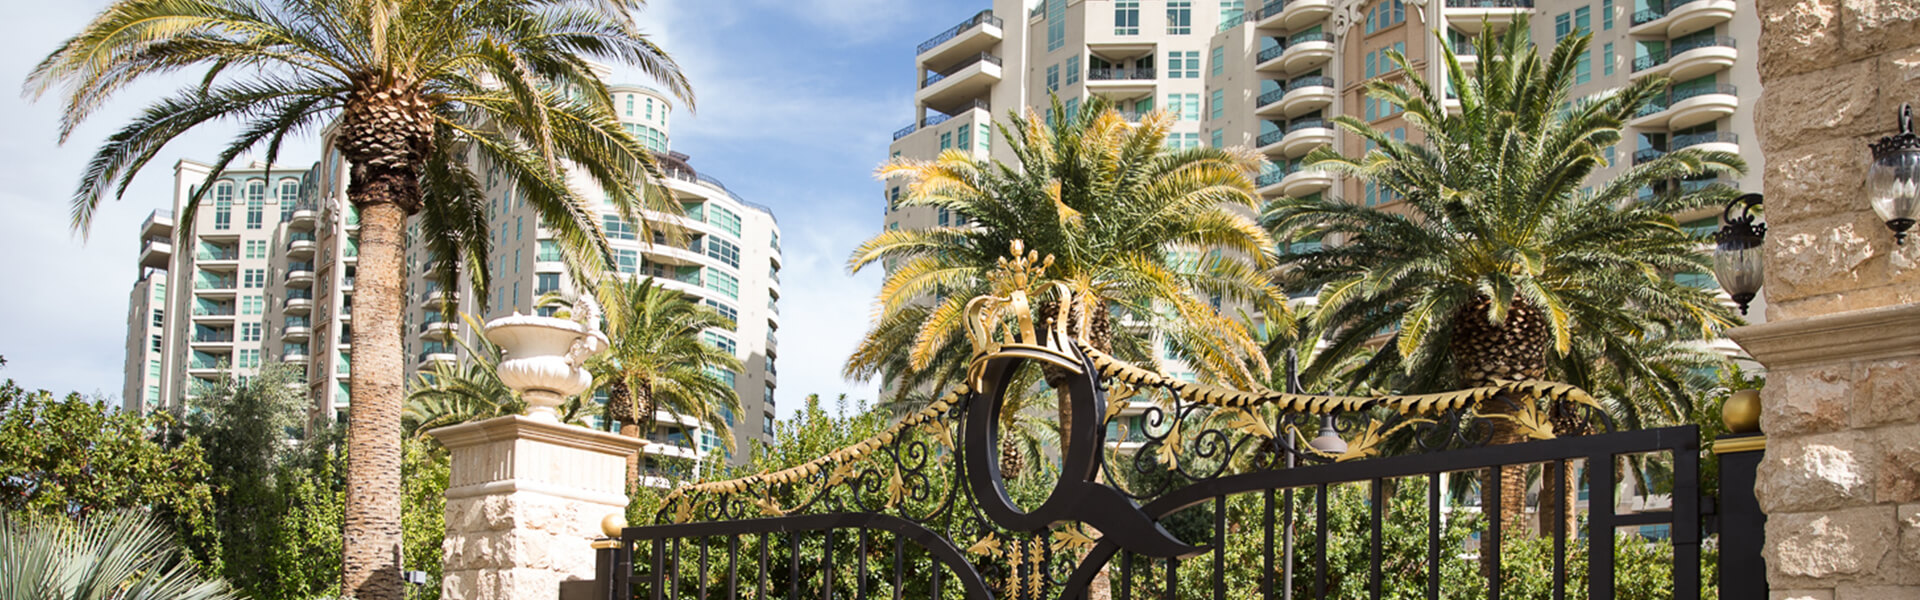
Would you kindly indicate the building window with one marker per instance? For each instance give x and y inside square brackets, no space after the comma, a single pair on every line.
[1056,24]
[252,305]
[156,342]
[1179,17]
[1126,17]
[1183,65]
[1072,106]
[1232,9]
[249,332]
[617,228]
[1606,58]
[946,140]
[1217,104]
[629,105]
[546,283]
[1218,61]
[223,205]
[1386,14]
[249,358]
[985,138]
[1219,138]
[159,317]
[548,251]
[253,278]
[1073,72]
[256,203]
[724,283]
[1583,68]
[1583,20]
[725,310]
[966,137]
[725,220]
[719,341]
[1186,106]
[1181,141]
[1606,14]
[1380,62]
[725,251]
[626,260]
[721,375]
[1053,78]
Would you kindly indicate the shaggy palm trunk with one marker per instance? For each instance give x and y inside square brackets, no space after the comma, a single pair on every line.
[385,134]
[1013,462]
[1485,352]
[632,406]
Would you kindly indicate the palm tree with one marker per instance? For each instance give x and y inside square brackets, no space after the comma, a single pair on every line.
[422,94]
[104,556]
[659,359]
[1498,258]
[1134,227]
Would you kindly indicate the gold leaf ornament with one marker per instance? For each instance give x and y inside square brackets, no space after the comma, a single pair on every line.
[1251,424]
[987,546]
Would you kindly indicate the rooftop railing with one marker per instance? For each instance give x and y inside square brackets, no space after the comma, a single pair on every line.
[937,77]
[983,17]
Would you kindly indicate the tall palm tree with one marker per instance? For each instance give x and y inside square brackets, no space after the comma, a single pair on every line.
[1134,227]
[658,359]
[1499,259]
[422,94]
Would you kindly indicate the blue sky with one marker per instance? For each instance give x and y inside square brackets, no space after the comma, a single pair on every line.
[797,100]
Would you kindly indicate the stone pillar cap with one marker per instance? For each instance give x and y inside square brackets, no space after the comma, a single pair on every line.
[522,427]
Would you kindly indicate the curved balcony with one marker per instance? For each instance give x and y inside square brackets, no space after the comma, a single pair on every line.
[1682,17]
[303,217]
[975,35]
[299,277]
[294,358]
[1690,58]
[960,84]
[438,330]
[1269,60]
[1270,143]
[1686,107]
[430,358]
[1307,94]
[1474,16]
[295,333]
[1269,103]
[1307,50]
[1295,14]
[156,254]
[1305,182]
[1305,135]
[1712,141]
[1268,183]
[298,306]
[301,248]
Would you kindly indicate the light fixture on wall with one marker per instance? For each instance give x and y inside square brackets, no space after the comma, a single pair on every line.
[1893,182]
[1736,254]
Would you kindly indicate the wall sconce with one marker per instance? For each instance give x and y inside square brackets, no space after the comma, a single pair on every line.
[1736,254]
[1894,179]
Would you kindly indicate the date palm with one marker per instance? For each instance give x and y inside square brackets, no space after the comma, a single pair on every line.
[1134,227]
[1499,260]
[421,95]
[658,359]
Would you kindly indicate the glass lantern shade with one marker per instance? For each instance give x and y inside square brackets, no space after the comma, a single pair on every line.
[1737,260]
[1893,181]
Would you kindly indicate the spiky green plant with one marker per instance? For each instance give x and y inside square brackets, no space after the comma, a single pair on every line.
[121,555]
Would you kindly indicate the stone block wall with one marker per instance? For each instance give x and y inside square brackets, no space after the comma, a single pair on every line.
[1840,481]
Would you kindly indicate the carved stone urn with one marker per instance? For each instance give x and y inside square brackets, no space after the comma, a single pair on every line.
[545,359]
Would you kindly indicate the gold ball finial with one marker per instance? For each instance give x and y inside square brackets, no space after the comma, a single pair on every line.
[1741,413]
[612,524]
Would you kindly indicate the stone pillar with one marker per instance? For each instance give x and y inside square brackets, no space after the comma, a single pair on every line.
[525,500]
[1840,480]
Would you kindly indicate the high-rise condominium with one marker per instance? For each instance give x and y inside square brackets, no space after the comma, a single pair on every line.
[1271,76]
[266,274]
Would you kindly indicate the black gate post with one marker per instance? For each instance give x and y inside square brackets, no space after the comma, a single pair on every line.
[1742,525]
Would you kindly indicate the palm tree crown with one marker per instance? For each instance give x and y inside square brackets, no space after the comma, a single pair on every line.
[1498,253]
[422,95]
[1133,227]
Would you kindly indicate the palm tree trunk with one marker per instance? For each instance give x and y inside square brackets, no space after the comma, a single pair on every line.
[1099,334]
[633,460]
[1484,353]
[371,562]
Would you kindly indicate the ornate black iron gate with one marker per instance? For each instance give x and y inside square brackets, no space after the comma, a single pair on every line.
[1168,489]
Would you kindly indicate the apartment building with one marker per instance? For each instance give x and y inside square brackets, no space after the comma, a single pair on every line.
[1272,75]
[266,275]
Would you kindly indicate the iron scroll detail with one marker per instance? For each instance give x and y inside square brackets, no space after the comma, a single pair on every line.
[1076,496]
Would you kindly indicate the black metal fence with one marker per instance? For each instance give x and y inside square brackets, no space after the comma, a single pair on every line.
[1209,493]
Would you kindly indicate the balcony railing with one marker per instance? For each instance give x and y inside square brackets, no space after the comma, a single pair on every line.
[1271,137]
[933,78]
[225,310]
[1710,137]
[299,295]
[983,17]
[1654,60]
[300,237]
[904,131]
[1272,97]
[1655,12]
[214,284]
[298,322]
[1300,82]
[1300,124]
[1308,36]
[1271,53]
[1119,74]
[1683,93]
[1272,8]
[214,337]
[1490,3]
[1270,178]
[1465,48]
[1235,21]
[217,254]
[1648,155]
